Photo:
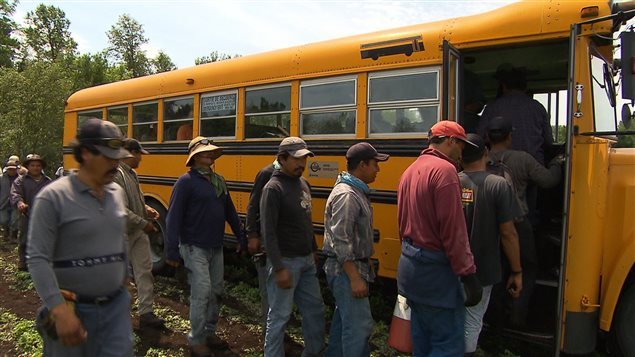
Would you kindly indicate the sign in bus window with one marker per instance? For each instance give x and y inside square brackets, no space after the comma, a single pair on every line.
[329,123]
[267,112]
[119,116]
[327,94]
[178,119]
[145,121]
[407,87]
[218,115]
[403,120]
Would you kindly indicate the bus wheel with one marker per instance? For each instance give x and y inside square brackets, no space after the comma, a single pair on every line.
[157,242]
[622,339]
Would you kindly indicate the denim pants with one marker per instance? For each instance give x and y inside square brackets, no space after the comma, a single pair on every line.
[141,261]
[205,275]
[474,320]
[352,320]
[305,292]
[9,217]
[437,331]
[108,328]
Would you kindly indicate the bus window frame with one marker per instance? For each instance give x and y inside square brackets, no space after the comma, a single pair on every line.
[125,106]
[264,87]
[176,120]
[329,108]
[97,110]
[403,104]
[159,120]
[235,116]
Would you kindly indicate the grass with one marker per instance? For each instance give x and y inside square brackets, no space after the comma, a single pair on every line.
[20,332]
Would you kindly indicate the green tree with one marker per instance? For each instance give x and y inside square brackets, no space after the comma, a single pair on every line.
[126,38]
[163,63]
[90,70]
[47,34]
[9,45]
[214,56]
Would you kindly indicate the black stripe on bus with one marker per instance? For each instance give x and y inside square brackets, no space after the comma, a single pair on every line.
[376,196]
[393,147]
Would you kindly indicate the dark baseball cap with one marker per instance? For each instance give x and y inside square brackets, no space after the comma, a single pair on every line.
[134,145]
[364,151]
[472,153]
[105,136]
[295,146]
[500,124]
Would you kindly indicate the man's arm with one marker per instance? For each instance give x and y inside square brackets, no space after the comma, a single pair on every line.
[234,222]
[16,195]
[543,177]
[252,222]
[133,221]
[174,220]
[509,241]
[270,212]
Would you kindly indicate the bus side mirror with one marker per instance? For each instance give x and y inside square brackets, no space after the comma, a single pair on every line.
[627,116]
[627,40]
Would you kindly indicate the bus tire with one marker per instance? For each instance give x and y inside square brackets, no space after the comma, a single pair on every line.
[622,336]
[157,241]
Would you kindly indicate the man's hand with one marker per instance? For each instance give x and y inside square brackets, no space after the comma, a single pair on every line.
[67,325]
[152,213]
[283,278]
[23,208]
[515,284]
[150,228]
[253,245]
[359,288]
[172,263]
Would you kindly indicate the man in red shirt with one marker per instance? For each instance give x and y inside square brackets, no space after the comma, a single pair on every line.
[435,247]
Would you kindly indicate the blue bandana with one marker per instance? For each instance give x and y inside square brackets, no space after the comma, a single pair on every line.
[345,177]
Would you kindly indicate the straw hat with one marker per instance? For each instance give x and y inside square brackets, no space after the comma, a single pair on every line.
[202,144]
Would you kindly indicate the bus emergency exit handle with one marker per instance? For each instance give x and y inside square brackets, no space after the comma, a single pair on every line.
[585,302]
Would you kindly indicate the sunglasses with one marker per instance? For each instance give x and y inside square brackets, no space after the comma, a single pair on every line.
[205,141]
[112,143]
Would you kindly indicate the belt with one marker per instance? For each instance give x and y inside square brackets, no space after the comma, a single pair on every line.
[98,300]
[90,261]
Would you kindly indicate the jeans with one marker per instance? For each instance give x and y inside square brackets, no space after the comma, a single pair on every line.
[352,320]
[141,261]
[108,327]
[305,292]
[437,331]
[474,320]
[205,275]
[9,217]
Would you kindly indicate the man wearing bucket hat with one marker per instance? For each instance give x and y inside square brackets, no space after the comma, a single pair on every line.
[23,192]
[140,223]
[9,218]
[435,250]
[287,229]
[21,169]
[199,207]
[77,252]
[348,244]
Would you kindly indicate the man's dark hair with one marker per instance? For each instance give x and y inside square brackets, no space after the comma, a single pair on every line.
[436,139]
[497,137]
[77,150]
[283,155]
[515,79]
[470,156]
[351,165]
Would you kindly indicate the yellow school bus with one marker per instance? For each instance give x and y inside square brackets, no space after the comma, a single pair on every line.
[389,88]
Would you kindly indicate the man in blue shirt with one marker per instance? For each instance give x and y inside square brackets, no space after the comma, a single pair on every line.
[199,207]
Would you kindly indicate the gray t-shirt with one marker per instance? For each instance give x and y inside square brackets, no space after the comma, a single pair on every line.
[77,242]
[488,201]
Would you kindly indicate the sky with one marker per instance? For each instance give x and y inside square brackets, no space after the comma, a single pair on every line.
[188,29]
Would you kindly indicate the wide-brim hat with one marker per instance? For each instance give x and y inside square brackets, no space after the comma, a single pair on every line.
[33,157]
[202,144]
[11,165]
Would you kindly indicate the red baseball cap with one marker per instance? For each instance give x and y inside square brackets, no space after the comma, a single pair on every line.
[451,129]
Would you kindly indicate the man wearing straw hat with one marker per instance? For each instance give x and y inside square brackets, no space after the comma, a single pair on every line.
[199,207]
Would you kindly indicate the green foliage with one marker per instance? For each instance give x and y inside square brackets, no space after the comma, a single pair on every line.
[625,141]
[20,332]
[9,45]
[214,56]
[126,38]
[47,33]
[163,63]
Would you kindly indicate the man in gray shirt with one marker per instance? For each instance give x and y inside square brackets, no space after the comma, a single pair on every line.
[77,252]
[348,243]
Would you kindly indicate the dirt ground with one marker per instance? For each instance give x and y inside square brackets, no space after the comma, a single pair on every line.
[244,339]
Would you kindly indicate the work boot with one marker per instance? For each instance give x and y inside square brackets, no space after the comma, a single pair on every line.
[216,342]
[149,319]
[200,351]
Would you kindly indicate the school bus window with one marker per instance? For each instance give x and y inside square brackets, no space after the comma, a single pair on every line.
[83,116]
[328,107]
[119,116]
[268,112]
[405,101]
[145,121]
[402,120]
[218,115]
[406,87]
[178,117]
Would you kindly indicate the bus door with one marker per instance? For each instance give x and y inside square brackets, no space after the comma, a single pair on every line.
[452,82]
